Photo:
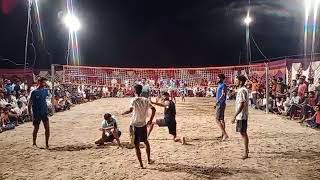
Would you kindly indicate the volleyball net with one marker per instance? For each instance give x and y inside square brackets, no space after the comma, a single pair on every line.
[205,76]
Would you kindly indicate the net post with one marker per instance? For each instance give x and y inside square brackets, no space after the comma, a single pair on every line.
[267,88]
[52,84]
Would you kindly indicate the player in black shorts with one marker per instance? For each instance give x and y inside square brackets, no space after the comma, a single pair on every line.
[169,119]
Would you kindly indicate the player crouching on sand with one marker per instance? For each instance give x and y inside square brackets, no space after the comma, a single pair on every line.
[110,130]
[169,118]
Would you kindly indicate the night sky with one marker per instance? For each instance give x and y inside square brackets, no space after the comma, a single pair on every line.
[155,33]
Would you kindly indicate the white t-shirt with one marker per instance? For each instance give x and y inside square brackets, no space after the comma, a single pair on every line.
[24,100]
[242,96]
[18,110]
[312,87]
[3,103]
[140,107]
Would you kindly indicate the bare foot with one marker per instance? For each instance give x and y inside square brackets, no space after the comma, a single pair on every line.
[225,138]
[245,156]
[183,140]
[150,161]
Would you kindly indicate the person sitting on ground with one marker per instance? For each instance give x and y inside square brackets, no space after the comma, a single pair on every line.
[312,86]
[21,112]
[169,119]
[13,117]
[308,105]
[8,87]
[120,93]
[314,121]
[110,130]
[317,91]
[295,104]
[270,103]
[3,100]
[286,105]
[279,105]
[281,88]
[13,99]
[23,98]
[5,121]
[57,104]
[293,87]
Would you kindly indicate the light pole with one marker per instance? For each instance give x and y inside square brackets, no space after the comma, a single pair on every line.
[27,34]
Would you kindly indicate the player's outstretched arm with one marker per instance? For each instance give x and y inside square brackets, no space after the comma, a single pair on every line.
[158,104]
[128,111]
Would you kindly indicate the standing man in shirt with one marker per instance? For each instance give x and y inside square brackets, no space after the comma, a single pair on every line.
[145,89]
[302,87]
[40,110]
[138,126]
[241,116]
[254,91]
[221,105]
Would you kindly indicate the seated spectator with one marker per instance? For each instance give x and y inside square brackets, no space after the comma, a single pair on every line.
[312,86]
[286,104]
[67,102]
[120,93]
[293,87]
[5,122]
[57,104]
[110,130]
[13,99]
[264,103]
[8,87]
[21,112]
[279,105]
[105,92]
[280,88]
[23,98]
[295,104]
[3,100]
[308,105]
[13,117]
[317,91]
[314,121]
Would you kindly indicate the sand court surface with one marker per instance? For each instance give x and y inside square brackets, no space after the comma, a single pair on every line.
[279,148]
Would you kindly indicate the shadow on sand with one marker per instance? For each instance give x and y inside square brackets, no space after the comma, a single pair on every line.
[81,147]
[214,172]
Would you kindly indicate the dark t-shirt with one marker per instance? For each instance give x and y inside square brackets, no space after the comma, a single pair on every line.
[170,112]
[39,103]
[17,88]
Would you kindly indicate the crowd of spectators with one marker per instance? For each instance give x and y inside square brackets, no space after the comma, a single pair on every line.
[297,101]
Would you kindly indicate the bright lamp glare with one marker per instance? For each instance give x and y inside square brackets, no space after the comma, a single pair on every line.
[247,20]
[71,22]
[307,4]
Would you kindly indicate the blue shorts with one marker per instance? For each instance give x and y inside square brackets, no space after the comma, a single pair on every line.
[37,118]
